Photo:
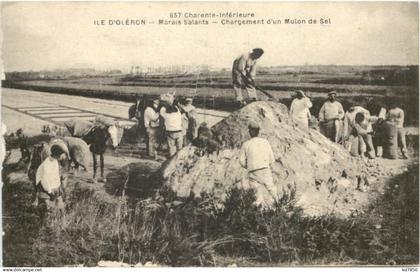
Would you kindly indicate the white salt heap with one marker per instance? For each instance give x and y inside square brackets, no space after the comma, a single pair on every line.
[305,162]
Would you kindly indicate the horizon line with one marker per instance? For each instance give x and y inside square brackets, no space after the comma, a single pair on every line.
[210,67]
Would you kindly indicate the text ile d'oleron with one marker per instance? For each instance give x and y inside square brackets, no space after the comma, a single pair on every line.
[212,18]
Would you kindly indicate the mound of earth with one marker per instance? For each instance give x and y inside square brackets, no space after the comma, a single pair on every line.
[308,168]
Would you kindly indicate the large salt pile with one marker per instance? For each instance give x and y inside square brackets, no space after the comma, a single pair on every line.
[307,165]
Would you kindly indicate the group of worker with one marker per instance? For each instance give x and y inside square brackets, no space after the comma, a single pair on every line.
[175,122]
[166,119]
[359,131]
[354,128]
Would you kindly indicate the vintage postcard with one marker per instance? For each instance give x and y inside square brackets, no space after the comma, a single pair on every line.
[210,134]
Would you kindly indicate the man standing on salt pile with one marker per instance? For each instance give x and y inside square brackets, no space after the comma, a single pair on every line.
[330,116]
[243,73]
[299,109]
[257,157]
[396,116]
[151,124]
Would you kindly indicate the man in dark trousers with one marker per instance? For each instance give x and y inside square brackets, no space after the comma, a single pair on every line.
[136,111]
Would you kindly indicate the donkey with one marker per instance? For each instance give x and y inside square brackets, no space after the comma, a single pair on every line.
[97,138]
[97,135]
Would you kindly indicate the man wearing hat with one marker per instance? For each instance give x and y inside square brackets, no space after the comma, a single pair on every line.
[330,116]
[151,124]
[243,74]
[257,157]
[299,109]
[189,120]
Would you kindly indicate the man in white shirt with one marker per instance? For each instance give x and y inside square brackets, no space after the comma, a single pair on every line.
[299,109]
[330,117]
[243,74]
[257,157]
[49,180]
[358,131]
[189,120]
[173,126]
[396,116]
[350,119]
[151,124]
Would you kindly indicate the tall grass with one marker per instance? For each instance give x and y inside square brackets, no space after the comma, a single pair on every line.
[197,232]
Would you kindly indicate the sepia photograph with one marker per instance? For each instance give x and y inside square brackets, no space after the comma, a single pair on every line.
[209,134]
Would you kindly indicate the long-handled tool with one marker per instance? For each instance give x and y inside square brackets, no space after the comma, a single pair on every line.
[265,92]
[252,84]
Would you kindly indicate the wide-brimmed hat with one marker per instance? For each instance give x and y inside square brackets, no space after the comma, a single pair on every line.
[188,99]
[332,92]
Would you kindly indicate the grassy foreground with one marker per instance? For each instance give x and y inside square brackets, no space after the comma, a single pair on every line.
[197,233]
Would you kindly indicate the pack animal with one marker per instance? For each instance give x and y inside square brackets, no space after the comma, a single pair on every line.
[97,139]
[98,136]
[79,152]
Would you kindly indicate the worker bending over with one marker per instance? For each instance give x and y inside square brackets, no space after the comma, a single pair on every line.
[243,75]
[358,129]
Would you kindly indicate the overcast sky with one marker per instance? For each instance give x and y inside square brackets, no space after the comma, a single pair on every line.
[45,35]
